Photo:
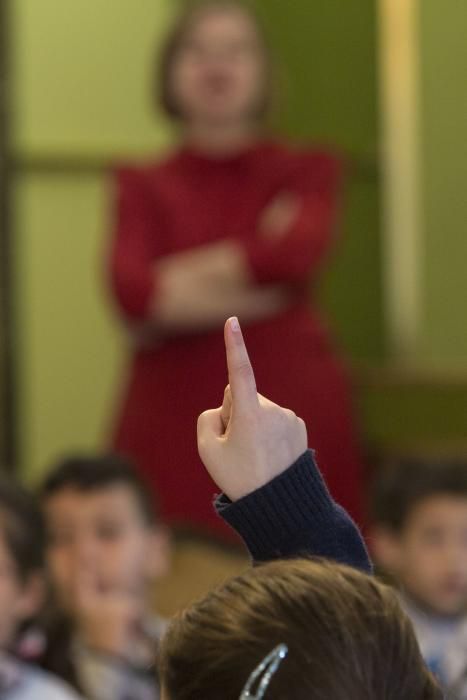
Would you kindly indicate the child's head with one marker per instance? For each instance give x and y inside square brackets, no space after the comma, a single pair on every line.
[346,636]
[216,68]
[420,532]
[21,560]
[101,524]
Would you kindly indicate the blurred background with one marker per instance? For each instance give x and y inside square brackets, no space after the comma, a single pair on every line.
[380,79]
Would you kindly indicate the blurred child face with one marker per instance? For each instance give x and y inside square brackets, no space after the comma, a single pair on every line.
[18,599]
[219,71]
[430,555]
[101,536]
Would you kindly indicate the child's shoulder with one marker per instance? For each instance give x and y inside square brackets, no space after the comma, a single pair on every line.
[34,684]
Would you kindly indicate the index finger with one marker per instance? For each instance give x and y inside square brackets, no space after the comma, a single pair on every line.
[241,376]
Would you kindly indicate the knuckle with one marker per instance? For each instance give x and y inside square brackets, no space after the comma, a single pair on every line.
[202,419]
[303,430]
[284,416]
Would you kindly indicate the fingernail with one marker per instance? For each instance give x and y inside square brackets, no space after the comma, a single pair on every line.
[234,324]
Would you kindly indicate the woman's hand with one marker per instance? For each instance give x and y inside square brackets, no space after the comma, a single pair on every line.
[197,289]
[218,264]
[279,216]
[249,440]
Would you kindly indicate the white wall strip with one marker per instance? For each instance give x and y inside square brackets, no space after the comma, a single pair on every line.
[402,243]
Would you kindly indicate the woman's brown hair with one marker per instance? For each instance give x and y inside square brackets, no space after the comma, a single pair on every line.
[347,638]
[188,17]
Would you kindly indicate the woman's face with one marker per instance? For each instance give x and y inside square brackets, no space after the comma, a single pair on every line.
[218,74]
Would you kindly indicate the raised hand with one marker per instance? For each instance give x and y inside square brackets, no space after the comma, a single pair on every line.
[249,440]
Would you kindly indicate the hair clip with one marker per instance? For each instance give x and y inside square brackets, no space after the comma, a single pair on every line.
[267,668]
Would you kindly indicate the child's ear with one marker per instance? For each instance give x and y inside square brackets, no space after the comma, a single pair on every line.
[32,597]
[159,552]
[385,547]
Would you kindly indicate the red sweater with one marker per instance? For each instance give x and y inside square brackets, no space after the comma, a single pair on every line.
[189,200]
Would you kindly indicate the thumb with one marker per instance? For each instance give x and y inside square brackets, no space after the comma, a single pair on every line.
[210,428]
[210,432]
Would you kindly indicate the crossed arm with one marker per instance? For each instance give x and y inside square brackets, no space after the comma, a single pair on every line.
[200,287]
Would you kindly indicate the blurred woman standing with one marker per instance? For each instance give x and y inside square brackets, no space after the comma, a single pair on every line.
[232,223]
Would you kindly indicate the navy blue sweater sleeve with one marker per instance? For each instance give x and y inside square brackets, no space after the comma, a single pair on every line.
[294,516]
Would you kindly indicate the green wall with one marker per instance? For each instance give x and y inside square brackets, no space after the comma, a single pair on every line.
[82,97]
[444,181]
[82,76]
[328,54]
[69,349]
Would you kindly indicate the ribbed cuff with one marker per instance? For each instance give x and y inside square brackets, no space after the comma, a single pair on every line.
[294,504]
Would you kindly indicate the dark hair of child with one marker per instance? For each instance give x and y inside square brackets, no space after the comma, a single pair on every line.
[22,528]
[91,473]
[406,483]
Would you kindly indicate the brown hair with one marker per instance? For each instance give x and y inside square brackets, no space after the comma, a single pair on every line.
[22,528]
[184,23]
[346,633]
